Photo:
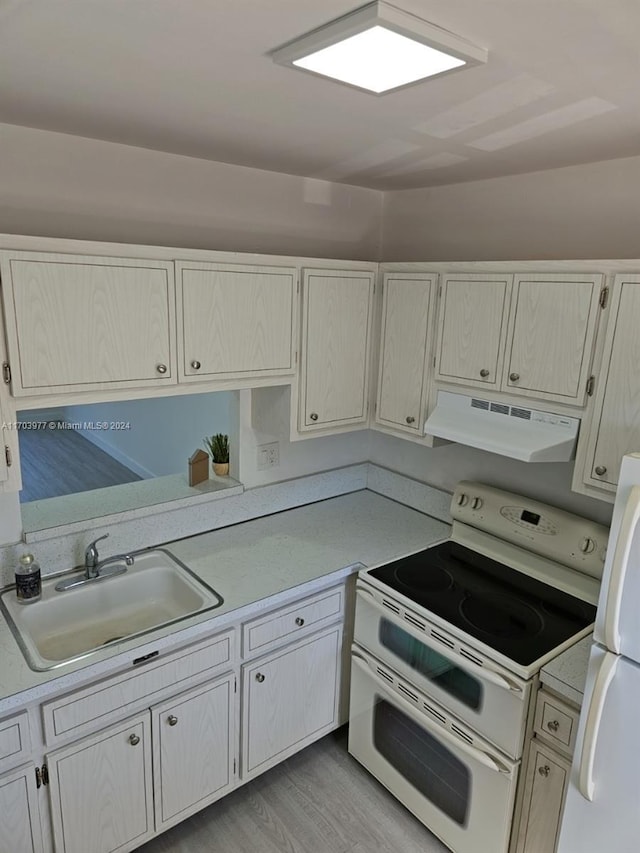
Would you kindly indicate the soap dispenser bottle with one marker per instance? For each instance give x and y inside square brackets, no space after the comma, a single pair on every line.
[28,582]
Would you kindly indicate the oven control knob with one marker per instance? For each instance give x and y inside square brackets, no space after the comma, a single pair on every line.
[587,546]
[476,503]
[463,499]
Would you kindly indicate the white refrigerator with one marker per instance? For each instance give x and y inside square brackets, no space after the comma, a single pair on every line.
[602,811]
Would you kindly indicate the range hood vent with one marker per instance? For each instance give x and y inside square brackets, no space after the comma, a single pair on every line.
[526,434]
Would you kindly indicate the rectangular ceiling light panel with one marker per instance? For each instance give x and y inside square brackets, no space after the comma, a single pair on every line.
[379,48]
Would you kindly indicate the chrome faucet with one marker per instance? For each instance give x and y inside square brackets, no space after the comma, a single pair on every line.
[93,565]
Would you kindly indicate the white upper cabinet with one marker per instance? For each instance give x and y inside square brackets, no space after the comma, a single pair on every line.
[530,334]
[550,337]
[336,340]
[83,323]
[404,350]
[235,321]
[471,325]
[615,426]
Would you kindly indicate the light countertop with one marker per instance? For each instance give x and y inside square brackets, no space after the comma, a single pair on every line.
[566,674]
[267,560]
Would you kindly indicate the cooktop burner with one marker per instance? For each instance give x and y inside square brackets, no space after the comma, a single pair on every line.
[513,613]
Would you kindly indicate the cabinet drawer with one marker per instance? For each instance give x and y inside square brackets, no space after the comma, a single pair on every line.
[100,704]
[294,620]
[556,721]
[15,741]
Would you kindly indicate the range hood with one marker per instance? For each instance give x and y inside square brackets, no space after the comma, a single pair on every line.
[520,433]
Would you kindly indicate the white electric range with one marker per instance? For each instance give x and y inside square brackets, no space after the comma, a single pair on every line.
[448,644]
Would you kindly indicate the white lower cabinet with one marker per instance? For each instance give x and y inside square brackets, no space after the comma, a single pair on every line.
[193,750]
[547,773]
[19,814]
[290,698]
[179,756]
[101,790]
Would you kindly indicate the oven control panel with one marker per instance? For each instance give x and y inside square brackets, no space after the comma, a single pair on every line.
[546,530]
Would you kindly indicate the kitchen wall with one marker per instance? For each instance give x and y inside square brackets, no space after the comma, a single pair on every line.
[56,185]
[587,211]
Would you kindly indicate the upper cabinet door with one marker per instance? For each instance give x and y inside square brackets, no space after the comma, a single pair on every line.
[83,323]
[336,338]
[551,333]
[404,350]
[615,428]
[235,320]
[472,320]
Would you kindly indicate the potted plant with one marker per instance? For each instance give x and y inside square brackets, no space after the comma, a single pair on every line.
[218,447]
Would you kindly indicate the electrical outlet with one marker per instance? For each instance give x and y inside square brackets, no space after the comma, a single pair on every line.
[268,455]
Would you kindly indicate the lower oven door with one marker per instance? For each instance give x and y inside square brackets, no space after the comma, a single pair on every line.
[478,691]
[457,784]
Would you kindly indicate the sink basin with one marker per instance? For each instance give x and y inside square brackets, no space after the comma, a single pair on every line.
[65,626]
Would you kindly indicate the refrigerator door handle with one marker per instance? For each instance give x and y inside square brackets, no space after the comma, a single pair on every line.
[603,680]
[619,570]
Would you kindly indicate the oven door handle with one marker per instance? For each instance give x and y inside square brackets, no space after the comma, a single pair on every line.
[483,672]
[433,728]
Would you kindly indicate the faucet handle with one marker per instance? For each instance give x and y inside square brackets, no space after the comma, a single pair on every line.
[91,552]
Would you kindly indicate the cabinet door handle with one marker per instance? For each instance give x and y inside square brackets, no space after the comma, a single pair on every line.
[545,770]
[410,419]
[134,740]
[172,720]
[553,725]
[259,677]
[314,416]
[600,470]
[299,621]
[484,372]
[196,364]
[514,377]
[161,368]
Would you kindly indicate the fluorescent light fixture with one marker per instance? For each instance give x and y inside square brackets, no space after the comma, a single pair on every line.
[379,48]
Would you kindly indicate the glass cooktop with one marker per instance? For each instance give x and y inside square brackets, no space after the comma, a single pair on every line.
[516,615]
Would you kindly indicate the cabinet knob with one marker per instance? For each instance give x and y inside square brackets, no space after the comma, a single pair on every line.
[134,740]
[553,725]
[484,372]
[299,621]
[600,470]
[172,720]
[259,677]
[410,419]
[544,770]
[514,377]
[313,416]
[161,368]
[196,364]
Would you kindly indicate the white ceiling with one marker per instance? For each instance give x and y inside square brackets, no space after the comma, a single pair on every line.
[194,77]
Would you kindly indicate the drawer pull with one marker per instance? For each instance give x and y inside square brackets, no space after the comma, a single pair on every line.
[259,677]
[410,419]
[172,720]
[134,740]
[299,621]
[195,364]
[484,372]
[161,368]
[544,770]
[514,377]
[553,725]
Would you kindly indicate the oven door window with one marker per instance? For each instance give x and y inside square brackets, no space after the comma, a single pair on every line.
[422,760]
[431,664]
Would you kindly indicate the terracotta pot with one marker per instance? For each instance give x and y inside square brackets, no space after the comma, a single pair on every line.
[221,469]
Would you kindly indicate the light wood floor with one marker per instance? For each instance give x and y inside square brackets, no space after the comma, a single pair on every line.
[57,462]
[319,801]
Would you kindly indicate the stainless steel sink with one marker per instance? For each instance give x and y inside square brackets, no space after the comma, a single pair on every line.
[65,626]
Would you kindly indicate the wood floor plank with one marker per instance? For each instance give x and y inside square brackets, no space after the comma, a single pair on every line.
[56,462]
[319,801]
